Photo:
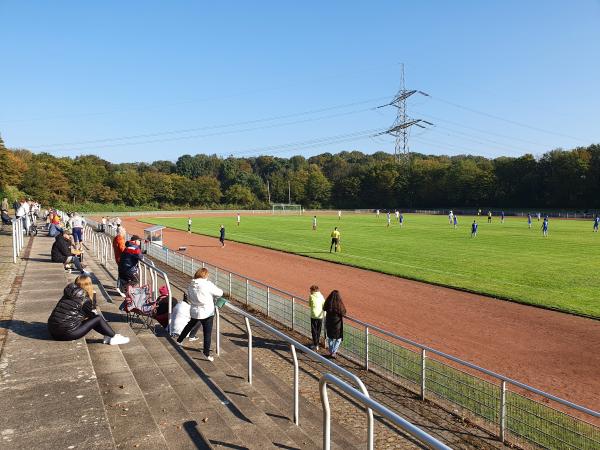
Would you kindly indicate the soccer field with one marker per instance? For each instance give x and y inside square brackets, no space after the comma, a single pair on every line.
[505,260]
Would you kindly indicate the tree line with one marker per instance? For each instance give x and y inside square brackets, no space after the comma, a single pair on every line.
[557,179]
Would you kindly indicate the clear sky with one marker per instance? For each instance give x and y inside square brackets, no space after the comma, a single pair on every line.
[153,80]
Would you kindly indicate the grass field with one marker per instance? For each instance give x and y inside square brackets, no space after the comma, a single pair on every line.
[505,260]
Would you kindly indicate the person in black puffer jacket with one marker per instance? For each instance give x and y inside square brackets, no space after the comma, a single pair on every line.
[74,316]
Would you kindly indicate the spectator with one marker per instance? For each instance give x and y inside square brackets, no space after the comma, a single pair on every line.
[201,293]
[315,302]
[74,315]
[334,322]
[77,224]
[129,262]
[161,314]
[4,205]
[180,317]
[119,244]
[61,252]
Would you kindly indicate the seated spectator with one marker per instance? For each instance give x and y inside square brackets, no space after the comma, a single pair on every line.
[180,317]
[162,311]
[119,244]
[62,253]
[54,230]
[129,262]
[74,315]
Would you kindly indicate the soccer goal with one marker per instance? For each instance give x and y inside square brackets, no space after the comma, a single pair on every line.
[286,208]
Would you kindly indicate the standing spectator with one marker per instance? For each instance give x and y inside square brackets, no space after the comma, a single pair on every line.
[189,224]
[315,302]
[4,204]
[222,236]
[103,226]
[61,252]
[129,262]
[74,315]
[334,322]
[119,244]
[201,293]
[77,224]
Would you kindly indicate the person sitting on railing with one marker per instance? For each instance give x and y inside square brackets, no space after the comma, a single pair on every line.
[129,263]
[334,322]
[119,244]
[74,315]
[61,252]
[201,293]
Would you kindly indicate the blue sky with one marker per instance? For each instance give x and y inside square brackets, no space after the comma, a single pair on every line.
[505,78]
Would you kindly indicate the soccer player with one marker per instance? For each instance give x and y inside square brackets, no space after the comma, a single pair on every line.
[238,219]
[389,218]
[489,217]
[455,219]
[529,220]
[222,236]
[502,217]
[377,214]
[340,214]
[450,217]
[596,223]
[397,215]
[539,216]
[314,223]
[474,229]
[401,220]
[335,240]
[545,227]
[189,224]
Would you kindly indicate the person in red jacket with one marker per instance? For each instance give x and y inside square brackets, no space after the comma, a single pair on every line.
[119,244]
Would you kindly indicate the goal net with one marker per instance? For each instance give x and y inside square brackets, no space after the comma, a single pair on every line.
[286,208]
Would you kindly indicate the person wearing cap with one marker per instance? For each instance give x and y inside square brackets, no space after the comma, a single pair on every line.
[129,261]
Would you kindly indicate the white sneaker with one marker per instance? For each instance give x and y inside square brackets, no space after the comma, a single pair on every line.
[210,358]
[192,339]
[117,339]
[107,339]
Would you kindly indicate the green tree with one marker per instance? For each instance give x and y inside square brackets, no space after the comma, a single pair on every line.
[240,195]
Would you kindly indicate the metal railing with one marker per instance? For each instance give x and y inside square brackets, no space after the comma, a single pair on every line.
[295,345]
[18,239]
[368,402]
[509,408]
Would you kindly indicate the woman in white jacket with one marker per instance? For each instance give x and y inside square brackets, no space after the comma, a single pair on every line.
[201,293]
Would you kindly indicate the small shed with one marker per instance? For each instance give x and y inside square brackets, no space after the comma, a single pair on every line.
[154,234]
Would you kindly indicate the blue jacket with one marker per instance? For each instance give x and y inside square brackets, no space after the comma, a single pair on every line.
[128,264]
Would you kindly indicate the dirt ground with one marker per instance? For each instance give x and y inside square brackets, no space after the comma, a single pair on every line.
[556,352]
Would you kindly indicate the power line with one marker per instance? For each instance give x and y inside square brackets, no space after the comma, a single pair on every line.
[210,127]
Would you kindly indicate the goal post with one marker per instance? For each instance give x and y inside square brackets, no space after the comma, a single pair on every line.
[286,208]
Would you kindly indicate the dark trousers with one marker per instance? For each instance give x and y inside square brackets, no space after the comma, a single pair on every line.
[207,325]
[95,323]
[315,329]
[334,243]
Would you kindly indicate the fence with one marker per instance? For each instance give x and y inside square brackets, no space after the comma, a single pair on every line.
[509,408]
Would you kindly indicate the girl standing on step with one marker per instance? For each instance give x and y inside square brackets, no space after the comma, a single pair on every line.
[334,322]
[74,315]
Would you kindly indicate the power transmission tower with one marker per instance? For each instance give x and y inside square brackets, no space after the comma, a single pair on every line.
[401,128]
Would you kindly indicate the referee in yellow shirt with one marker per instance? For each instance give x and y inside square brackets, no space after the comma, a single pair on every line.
[335,240]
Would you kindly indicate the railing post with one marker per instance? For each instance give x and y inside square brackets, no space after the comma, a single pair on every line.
[268,301]
[249,331]
[423,372]
[293,312]
[192,265]
[166,256]
[218,330]
[247,291]
[502,411]
[229,285]
[296,386]
[366,348]
[183,263]
[326,416]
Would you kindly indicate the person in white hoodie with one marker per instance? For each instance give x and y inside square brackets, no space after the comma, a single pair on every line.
[201,293]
